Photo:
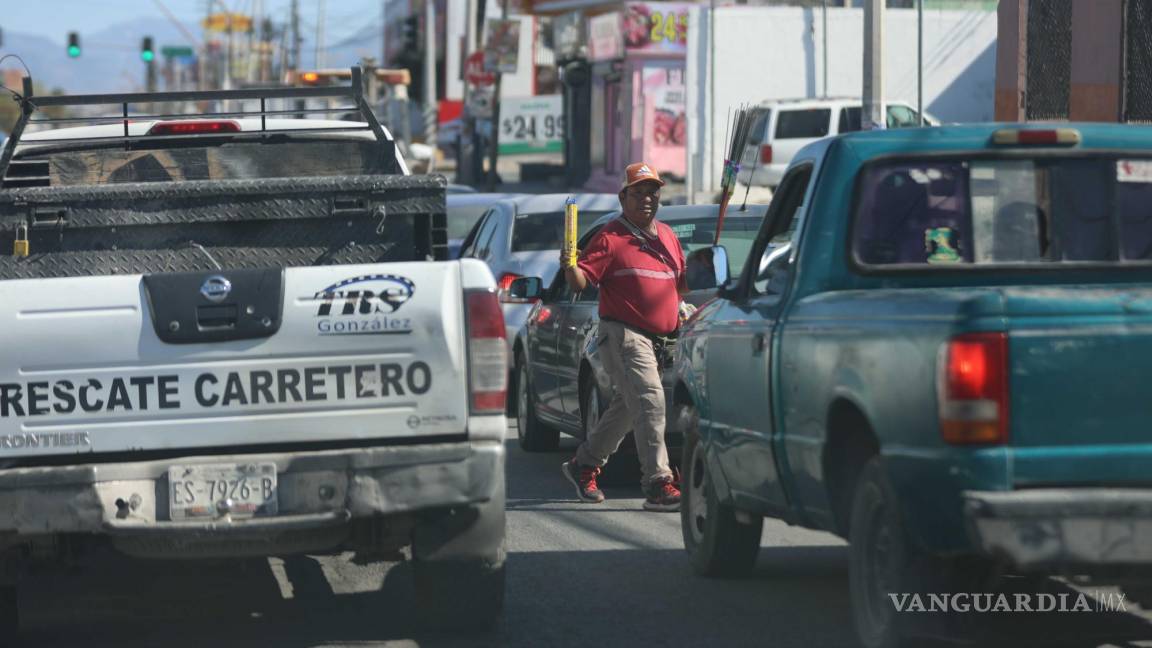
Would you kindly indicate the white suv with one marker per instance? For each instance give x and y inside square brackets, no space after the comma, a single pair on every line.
[788,125]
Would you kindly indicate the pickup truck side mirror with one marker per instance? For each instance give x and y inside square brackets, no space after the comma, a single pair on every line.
[524,290]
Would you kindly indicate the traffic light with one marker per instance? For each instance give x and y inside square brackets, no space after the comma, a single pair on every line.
[147,53]
[73,45]
[411,34]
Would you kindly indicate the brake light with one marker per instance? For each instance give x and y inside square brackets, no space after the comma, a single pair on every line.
[766,154]
[1036,137]
[195,127]
[543,315]
[487,353]
[972,389]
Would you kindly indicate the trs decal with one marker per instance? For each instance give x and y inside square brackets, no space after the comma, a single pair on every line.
[364,305]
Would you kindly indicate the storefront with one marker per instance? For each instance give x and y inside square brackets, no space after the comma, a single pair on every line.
[637,111]
[622,68]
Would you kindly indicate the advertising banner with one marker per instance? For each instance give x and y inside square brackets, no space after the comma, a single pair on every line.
[656,27]
[605,39]
[532,125]
[502,47]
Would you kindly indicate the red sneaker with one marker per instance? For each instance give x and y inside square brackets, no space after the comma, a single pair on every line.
[662,495]
[584,479]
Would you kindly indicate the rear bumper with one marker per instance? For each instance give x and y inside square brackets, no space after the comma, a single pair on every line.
[317,490]
[1062,527]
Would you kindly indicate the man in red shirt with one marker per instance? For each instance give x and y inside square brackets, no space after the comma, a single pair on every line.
[639,266]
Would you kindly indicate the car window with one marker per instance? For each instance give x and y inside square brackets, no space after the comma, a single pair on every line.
[759,132]
[849,119]
[774,270]
[484,239]
[961,213]
[545,230]
[696,236]
[461,220]
[902,117]
[468,247]
[803,123]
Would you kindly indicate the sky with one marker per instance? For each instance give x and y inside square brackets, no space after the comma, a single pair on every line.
[55,18]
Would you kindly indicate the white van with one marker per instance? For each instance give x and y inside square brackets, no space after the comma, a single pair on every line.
[788,125]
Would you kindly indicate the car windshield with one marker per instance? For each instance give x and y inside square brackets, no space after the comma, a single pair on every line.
[963,212]
[545,230]
[229,161]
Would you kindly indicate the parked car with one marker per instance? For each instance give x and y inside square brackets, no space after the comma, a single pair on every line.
[561,384]
[522,237]
[786,126]
[464,210]
[949,368]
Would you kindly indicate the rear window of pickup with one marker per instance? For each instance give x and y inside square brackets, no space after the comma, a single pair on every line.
[987,211]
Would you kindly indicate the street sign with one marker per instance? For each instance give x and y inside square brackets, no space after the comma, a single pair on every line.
[532,125]
[224,22]
[474,71]
[173,51]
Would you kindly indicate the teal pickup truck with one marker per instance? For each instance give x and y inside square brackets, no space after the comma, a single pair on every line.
[950,364]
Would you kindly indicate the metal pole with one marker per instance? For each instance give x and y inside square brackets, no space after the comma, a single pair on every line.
[431,114]
[468,137]
[711,121]
[321,11]
[494,143]
[824,29]
[920,62]
[872,116]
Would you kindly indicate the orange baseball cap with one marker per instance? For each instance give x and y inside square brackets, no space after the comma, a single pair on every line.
[640,172]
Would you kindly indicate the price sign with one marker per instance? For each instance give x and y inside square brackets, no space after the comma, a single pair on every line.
[656,27]
[532,125]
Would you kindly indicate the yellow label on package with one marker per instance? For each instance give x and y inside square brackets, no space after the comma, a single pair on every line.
[570,230]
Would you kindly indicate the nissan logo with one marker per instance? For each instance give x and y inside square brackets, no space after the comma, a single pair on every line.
[216,288]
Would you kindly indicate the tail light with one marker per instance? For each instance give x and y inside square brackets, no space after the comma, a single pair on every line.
[195,127]
[487,353]
[972,388]
[766,154]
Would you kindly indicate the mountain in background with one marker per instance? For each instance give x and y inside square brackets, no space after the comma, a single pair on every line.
[110,61]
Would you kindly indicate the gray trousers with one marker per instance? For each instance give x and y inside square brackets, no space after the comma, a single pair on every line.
[637,403]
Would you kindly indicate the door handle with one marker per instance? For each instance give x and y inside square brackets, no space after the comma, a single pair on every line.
[758,343]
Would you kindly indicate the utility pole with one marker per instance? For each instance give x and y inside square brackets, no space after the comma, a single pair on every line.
[294,45]
[872,116]
[431,114]
[464,165]
[824,31]
[320,13]
[920,62]
[494,143]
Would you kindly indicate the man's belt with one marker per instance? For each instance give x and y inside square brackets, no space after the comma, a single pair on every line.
[655,337]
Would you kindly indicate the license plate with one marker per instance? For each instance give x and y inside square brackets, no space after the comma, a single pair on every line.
[210,491]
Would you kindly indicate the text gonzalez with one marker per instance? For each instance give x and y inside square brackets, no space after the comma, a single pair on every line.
[210,390]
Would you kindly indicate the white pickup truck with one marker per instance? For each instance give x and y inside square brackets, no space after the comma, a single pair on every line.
[233,337]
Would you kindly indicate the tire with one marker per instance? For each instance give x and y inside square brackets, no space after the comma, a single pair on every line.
[459,595]
[533,435]
[718,543]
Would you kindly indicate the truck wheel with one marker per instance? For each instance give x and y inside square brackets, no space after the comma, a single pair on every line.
[534,436]
[881,561]
[718,543]
[459,595]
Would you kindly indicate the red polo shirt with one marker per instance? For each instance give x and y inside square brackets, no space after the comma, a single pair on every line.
[638,275]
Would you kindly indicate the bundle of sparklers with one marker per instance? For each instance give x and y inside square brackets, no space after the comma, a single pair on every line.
[745,118]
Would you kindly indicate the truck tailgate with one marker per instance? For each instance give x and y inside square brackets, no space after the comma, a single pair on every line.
[1080,369]
[351,352]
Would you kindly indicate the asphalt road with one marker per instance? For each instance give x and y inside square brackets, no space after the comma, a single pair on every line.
[578,575]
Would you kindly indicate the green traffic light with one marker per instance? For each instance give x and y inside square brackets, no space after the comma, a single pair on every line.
[74,51]
[147,56]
